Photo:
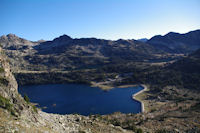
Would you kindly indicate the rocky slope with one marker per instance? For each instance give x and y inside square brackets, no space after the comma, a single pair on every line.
[66,53]
[177,43]
[172,101]
[13,42]
[17,114]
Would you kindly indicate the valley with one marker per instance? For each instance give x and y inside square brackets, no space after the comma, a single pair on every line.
[170,72]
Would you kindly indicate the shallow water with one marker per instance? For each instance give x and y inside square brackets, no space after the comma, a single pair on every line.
[82,99]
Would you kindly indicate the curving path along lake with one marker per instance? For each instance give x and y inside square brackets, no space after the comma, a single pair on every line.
[82,99]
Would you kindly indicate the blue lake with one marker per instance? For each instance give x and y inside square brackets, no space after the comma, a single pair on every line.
[82,99]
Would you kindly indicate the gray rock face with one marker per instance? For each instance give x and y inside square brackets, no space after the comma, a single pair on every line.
[8,90]
[11,41]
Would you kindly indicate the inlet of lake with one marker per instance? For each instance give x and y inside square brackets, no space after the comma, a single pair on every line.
[82,99]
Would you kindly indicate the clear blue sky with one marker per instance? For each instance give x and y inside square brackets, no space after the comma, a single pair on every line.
[108,19]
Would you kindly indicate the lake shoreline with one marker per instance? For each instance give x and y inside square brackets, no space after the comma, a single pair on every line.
[96,101]
[138,99]
[134,96]
[107,87]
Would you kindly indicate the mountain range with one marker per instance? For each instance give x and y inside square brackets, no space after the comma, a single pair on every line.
[66,53]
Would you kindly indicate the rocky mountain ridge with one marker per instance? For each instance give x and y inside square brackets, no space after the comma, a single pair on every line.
[176,42]
[13,42]
[80,53]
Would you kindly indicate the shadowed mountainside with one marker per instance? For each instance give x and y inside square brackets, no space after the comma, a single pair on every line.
[184,73]
[177,43]
[65,53]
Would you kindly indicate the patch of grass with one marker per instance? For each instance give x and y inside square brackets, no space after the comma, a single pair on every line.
[81,131]
[138,130]
[26,98]
[1,69]
[5,103]
[35,109]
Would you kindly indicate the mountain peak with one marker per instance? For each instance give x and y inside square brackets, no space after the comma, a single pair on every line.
[14,42]
[63,38]
[172,34]
[11,35]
